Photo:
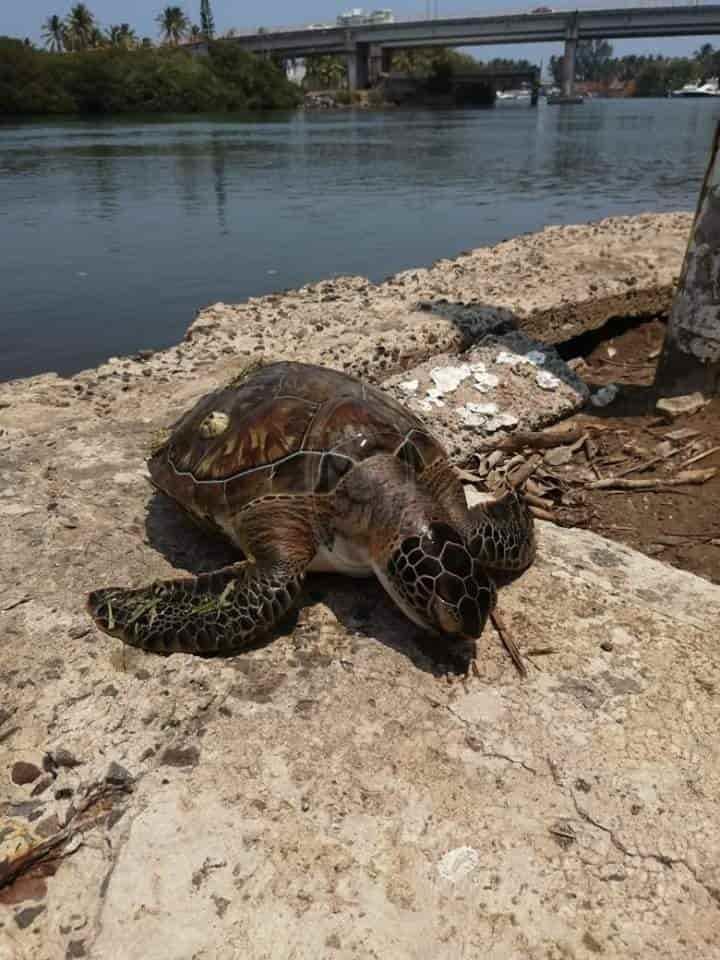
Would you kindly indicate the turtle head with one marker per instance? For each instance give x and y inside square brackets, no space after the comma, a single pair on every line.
[437,583]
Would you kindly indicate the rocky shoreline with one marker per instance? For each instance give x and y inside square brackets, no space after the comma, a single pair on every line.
[327,794]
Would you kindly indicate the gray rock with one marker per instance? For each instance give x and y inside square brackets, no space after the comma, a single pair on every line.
[25,917]
[557,456]
[673,407]
[118,775]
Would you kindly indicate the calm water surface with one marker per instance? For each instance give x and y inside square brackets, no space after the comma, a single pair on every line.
[114,233]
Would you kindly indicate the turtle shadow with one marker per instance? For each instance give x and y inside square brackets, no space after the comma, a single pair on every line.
[364,611]
[360,606]
[183,543]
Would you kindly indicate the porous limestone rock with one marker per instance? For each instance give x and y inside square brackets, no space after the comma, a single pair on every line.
[505,382]
[329,794]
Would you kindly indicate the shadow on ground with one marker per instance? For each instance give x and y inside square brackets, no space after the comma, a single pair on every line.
[361,606]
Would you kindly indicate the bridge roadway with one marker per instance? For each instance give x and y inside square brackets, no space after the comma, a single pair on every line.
[368,47]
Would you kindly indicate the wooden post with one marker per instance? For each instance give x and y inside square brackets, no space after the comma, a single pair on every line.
[690,360]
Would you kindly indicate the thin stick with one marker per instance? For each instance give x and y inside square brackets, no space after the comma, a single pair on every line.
[625,483]
[543,514]
[699,456]
[638,467]
[535,501]
[509,643]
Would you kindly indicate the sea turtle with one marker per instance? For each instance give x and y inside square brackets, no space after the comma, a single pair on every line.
[306,468]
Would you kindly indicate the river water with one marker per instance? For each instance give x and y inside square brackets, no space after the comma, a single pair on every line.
[114,233]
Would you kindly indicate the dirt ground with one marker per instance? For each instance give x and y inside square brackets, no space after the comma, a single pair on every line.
[680,526]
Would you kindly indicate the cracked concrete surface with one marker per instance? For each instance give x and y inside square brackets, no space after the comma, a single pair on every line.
[329,794]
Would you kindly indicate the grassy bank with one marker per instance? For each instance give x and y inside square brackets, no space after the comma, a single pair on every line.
[116,80]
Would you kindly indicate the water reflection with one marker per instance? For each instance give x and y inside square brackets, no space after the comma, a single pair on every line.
[115,233]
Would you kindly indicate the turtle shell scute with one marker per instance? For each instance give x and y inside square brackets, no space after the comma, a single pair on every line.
[287,428]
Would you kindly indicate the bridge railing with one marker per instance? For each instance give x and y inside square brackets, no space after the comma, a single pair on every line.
[554,6]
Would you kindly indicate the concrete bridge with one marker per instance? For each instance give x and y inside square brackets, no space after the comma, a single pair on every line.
[368,47]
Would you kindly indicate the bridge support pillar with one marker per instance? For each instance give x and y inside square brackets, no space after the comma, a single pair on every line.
[568,67]
[387,59]
[358,67]
[374,64]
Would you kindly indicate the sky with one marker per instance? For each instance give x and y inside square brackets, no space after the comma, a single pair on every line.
[25,19]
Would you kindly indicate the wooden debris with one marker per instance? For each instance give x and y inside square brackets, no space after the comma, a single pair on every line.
[509,643]
[91,811]
[682,433]
[629,483]
[700,456]
[541,502]
[539,439]
[541,514]
[522,473]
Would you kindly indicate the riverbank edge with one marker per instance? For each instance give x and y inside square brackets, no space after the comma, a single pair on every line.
[552,284]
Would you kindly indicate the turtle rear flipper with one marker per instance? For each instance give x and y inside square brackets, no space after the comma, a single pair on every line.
[219,612]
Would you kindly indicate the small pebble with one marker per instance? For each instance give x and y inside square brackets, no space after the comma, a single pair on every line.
[23,772]
[607,646]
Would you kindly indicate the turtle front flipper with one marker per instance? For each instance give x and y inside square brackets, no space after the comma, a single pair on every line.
[219,612]
[501,534]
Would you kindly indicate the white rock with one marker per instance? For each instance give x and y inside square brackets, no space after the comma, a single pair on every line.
[535,358]
[502,420]
[546,380]
[476,414]
[458,863]
[409,386]
[485,382]
[447,379]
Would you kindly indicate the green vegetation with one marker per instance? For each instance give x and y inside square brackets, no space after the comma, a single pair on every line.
[124,77]
[642,76]
[174,25]
[324,73]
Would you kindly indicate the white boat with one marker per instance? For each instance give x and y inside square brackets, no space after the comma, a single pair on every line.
[710,88]
[523,96]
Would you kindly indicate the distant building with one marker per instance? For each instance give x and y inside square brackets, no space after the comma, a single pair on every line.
[357,17]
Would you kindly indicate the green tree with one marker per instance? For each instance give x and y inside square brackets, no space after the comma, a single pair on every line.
[173,25]
[53,33]
[325,73]
[650,81]
[195,32]
[593,59]
[122,35]
[207,22]
[97,38]
[80,27]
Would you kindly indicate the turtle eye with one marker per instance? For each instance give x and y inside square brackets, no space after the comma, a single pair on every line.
[446,616]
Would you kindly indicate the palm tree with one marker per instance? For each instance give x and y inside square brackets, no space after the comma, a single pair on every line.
[173,24]
[122,36]
[195,32]
[80,28]
[53,33]
[97,38]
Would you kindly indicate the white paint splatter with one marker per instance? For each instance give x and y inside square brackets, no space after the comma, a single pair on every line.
[458,864]
[214,424]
